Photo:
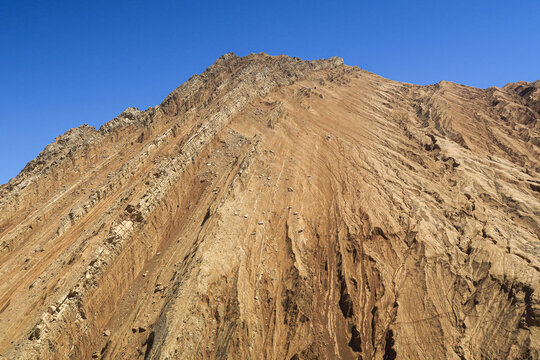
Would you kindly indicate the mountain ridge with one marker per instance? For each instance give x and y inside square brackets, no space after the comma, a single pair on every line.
[231,55]
[286,209]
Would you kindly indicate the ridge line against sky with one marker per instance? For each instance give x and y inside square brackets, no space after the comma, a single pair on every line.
[68,63]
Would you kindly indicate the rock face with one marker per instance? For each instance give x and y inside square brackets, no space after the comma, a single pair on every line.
[273,208]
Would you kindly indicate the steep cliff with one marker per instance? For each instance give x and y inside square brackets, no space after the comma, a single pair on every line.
[273,208]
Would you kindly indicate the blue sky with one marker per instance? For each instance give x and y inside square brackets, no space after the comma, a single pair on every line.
[67,63]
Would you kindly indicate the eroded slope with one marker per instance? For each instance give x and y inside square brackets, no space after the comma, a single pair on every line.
[281,209]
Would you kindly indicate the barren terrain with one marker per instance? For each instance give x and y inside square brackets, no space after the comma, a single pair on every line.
[274,208]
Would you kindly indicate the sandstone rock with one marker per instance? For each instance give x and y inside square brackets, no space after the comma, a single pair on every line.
[419,235]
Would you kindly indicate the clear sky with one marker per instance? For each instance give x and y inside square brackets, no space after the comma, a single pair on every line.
[66,63]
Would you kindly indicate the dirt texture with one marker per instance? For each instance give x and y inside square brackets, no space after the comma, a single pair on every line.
[274,208]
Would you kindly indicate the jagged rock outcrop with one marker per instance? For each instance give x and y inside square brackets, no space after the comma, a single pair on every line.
[282,209]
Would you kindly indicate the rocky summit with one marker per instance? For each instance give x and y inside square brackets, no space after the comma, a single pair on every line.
[274,208]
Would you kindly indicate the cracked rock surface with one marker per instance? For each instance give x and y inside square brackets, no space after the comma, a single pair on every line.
[274,208]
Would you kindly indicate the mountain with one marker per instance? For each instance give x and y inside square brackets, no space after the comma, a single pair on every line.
[274,208]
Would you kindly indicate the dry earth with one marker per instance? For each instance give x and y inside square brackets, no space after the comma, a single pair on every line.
[273,208]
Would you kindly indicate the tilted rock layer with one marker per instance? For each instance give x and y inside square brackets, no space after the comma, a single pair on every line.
[273,208]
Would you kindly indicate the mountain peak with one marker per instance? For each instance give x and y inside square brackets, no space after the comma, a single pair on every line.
[278,208]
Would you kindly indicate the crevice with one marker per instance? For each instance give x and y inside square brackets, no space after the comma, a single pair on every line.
[534,187]
[356,342]
[345,300]
[206,217]
[373,325]
[5,306]
[389,352]
[149,343]
[532,317]
[104,349]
